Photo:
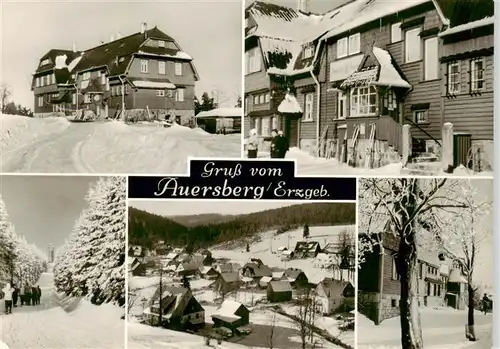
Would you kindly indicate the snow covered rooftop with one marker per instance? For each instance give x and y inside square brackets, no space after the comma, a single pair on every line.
[61,61]
[468,26]
[228,309]
[265,279]
[178,55]
[153,84]
[290,105]
[388,75]
[220,112]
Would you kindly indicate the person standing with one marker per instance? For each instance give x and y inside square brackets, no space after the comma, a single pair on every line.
[28,295]
[253,144]
[275,144]
[15,296]
[284,144]
[39,293]
[34,295]
[22,294]
[8,291]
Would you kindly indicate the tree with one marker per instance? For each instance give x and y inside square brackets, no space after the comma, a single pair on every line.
[186,283]
[305,233]
[8,245]
[305,315]
[207,103]
[461,235]
[271,332]
[403,207]
[346,251]
[5,94]
[239,103]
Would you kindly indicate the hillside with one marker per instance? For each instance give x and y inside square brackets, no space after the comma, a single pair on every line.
[201,219]
[146,228]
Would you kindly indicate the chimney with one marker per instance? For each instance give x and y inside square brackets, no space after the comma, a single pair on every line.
[144,27]
[303,5]
[74,47]
[118,35]
[111,38]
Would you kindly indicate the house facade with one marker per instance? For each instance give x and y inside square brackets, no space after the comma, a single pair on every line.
[335,295]
[344,83]
[146,74]
[379,287]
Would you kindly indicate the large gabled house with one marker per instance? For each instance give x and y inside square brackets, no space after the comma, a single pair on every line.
[146,74]
[372,82]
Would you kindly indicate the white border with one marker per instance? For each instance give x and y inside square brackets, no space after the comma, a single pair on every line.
[125,332]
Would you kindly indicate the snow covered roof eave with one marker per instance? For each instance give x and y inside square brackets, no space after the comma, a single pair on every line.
[468,26]
[400,84]
[289,72]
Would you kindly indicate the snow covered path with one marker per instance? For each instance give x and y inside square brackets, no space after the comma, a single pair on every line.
[48,326]
[443,328]
[56,145]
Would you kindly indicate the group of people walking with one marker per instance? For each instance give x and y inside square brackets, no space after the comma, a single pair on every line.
[25,295]
[279,144]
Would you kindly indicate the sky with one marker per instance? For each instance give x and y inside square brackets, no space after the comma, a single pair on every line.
[187,207]
[210,31]
[44,208]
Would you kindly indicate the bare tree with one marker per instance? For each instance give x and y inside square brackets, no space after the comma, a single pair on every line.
[461,235]
[346,250]
[271,333]
[305,315]
[5,94]
[132,298]
[402,207]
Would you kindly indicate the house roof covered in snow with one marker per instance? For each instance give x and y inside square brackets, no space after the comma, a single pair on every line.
[456,276]
[51,58]
[290,105]
[280,286]
[468,26]
[258,270]
[221,113]
[459,13]
[306,245]
[265,279]
[207,269]
[230,277]
[293,273]
[117,55]
[333,288]
[153,83]
[228,310]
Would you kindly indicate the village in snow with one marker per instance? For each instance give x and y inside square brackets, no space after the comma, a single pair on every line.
[273,289]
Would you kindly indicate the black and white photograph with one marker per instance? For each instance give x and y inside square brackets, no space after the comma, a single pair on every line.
[62,262]
[119,87]
[425,263]
[371,87]
[241,274]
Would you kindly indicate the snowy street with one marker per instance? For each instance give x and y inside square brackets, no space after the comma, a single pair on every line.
[57,145]
[441,328]
[48,325]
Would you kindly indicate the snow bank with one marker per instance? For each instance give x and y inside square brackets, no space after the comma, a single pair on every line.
[17,130]
[462,171]
[139,149]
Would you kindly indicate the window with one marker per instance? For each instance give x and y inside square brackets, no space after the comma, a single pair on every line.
[178,69]
[257,125]
[421,118]
[37,82]
[308,110]
[45,62]
[354,44]
[395,275]
[73,98]
[266,126]
[454,77]
[144,66]
[261,99]
[420,271]
[412,45]
[40,101]
[87,98]
[160,93]
[342,48]
[86,76]
[121,59]
[341,105]
[267,97]
[161,68]
[179,96]
[170,93]
[308,51]
[394,303]
[274,123]
[431,59]
[103,79]
[253,60]
[439,291]
[363,101]
[477,75]
[99,74]
[396,34]
[428,291]
[161,43]
[256,99]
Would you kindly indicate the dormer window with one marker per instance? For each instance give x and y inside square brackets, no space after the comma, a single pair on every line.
[121,59]
[308,51]
[86,76]
[161,43]
[45,62]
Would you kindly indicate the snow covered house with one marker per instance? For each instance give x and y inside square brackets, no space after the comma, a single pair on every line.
[279,291]
[296,277]
[256,271]
[231,315]
[364,69]
[307,249]
[227,282]
[179,309]
[145,73]
[208,273]
[135,267]
[187,269]
[227,268]
[287,255]
[264,281]
[220,120]
[335,295]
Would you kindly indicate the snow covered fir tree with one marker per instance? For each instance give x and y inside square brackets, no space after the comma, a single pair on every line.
[91,262]
[20,261]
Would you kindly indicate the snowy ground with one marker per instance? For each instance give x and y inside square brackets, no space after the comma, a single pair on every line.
[57,145]
[267,244]
[310,165]
[441,328]
[48,326]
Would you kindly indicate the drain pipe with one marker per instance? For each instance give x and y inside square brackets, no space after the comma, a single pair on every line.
[123,97]
[318,93]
